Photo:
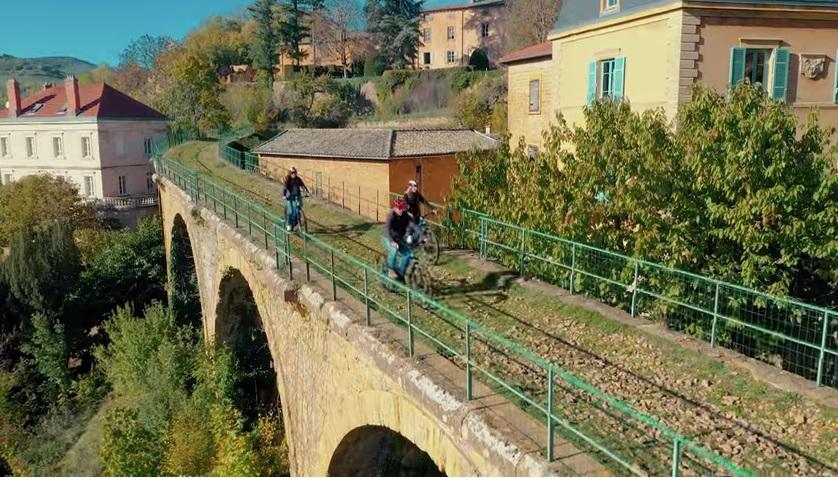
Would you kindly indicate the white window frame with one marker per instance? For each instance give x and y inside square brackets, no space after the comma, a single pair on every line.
[89,186]
[122,184]
[58,141]
[451,33]
[430,58]
[89,142]
[5,150]
[537,109]
[450,56]
[484,30]
[426,35]
[31,145]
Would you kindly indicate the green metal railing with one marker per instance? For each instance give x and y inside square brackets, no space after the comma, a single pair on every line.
[802,336]
[644,445]
[241,159]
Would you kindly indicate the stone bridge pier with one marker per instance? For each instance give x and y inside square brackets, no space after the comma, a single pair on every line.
[352,403]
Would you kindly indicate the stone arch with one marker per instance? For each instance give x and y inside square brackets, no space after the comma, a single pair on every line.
[184,293]
[240,326]
[374,450]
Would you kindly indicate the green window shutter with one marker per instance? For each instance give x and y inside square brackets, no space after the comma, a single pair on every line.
[737,65]
[836,78]
[591,82]
[781,74]
[619,76]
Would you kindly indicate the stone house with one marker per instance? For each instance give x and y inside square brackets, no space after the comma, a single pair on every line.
[449,35]
[359,168]
[93,135]
[651,52]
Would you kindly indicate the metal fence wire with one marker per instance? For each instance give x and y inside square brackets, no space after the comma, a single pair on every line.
[565,403]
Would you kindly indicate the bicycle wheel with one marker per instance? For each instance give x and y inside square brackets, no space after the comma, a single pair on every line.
[419,278]
[302,223]
[430,246]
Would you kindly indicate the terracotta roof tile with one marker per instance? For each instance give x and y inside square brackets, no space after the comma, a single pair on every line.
[374,144]
[532,52]
[98,100]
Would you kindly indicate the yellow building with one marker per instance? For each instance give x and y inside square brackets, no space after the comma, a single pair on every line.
[530,94]
[449,35]
[651,52]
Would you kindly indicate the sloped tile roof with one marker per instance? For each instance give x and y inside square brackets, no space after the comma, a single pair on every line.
[532,52]
[99,100]
[374,144]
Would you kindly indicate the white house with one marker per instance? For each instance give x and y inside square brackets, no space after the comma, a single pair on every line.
[94,136]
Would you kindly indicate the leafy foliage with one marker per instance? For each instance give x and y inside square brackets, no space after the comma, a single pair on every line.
[294,25]
[738,191]
[144,51]
[129,448]
[394,25]
[40,199]
[49,353]
[265,38]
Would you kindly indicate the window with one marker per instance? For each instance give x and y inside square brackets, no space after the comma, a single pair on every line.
[123,186]
[535,96]
[450,56]
[85,147]
[532,151]
[426,35]
[120,147]
[484,30]
[88,186]
[751,64]
[450,33]
[609,6]
[4,147]
[57,147]
[426,58]
[147,147]
[7,179]
[31,151]
[149,183]
[606,79]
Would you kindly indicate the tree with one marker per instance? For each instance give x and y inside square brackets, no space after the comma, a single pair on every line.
[394,25]
[144,51]
[343,18]
[43,267]
[189,92]
[47,350]
[479,60]
[41,199]
[531,20]
[295,21]
[265,38]
[101,74]
[221,41]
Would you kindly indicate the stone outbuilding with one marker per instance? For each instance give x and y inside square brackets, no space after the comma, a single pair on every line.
[358,168]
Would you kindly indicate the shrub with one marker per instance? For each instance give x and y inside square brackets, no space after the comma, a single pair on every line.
[479,60]
[129,448]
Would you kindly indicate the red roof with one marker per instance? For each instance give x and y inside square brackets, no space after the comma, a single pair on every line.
[99,100]
[532,52]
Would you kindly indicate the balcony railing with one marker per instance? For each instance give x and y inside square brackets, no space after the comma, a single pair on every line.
[125,202]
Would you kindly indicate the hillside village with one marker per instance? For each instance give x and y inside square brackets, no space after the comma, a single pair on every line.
[641,194]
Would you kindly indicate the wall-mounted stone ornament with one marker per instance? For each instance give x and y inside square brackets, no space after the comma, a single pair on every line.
[812,66]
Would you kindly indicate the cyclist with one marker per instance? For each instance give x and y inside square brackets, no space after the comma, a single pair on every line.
[398,239]
[414,200]
[293,194]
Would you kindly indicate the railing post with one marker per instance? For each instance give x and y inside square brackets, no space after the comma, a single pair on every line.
[409,324]
[334,283]
[249,221]
[343,194]
[469,392]
[634,288]
[236,209]
[483,247]
[522,255]
[377,206]
[822,357]
[367,298]
[550,427]
[265,227]
[676,456]
[276,244]
[214,199]
[573,269]
[305,257]
[359,200]
[224,201]
[194,186]
[288,253]
[715,317]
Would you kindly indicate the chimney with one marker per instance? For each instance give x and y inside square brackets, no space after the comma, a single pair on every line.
[13,92]
[488,129]
[71,86]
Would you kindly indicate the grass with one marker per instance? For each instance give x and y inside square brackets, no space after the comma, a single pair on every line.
[721,408]
[82,459]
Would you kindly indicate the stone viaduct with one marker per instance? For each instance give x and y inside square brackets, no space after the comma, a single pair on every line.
[346,390]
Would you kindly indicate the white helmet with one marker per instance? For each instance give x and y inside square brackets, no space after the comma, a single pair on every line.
[412,183]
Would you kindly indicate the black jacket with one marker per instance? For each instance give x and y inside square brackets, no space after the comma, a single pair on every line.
[413,202]
[397,226]
[294,188]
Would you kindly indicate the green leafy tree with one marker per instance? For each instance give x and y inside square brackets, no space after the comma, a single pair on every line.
[43,267]
[48,352]
[265,38]
[144,51]
[189,92]
[129,448]
[294,26]
[41,199]
[394,25]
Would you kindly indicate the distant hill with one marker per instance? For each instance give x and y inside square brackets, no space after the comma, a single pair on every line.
[34,72]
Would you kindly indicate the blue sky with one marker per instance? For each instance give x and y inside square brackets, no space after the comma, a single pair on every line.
[97,30]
